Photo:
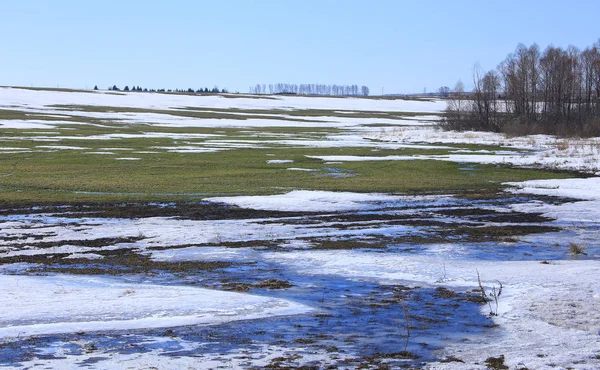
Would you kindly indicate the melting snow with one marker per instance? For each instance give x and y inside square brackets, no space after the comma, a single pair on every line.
[316,201]
[63,304]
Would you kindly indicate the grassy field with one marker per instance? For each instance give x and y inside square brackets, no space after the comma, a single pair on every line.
[159,174]
[109,154]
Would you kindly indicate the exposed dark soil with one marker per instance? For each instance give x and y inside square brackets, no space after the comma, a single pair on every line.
[493,233]
[192,211]
[348,244]
[486,215]
[115,262]
[241,244]
[270,284]
[89,243]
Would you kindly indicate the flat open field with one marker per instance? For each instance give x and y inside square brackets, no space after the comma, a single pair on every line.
[142,230]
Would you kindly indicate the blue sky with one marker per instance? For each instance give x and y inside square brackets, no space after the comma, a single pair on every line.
[400,46]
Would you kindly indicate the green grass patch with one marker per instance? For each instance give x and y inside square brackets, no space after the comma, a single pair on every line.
[67,175]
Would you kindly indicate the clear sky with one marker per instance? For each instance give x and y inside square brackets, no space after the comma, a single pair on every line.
[401,46]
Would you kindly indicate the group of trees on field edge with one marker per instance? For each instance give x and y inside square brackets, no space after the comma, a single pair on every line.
[556,91]
[214,90]
[310,89]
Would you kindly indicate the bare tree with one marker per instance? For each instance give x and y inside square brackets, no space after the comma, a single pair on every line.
[364,91]
[454,117]
[310,89]
[590,57]
[459,93]
[557,91]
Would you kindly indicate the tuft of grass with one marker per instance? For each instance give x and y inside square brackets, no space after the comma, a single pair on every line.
[577,249]
[127,292]
[492,296]
[496,363]
[562,145]
[451,359]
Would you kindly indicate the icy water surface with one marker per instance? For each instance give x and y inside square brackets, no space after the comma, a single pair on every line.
[371,318]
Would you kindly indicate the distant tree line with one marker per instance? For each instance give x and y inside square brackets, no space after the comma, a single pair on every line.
[310,89]
[556,91]
[206,90]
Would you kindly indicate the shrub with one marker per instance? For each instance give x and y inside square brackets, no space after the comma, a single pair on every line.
[492,296]
[577,249]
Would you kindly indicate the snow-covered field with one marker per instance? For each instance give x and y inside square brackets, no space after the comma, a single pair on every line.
[36,99]
[548,315]
[541,151]
[417,132]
